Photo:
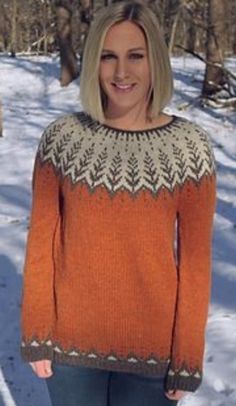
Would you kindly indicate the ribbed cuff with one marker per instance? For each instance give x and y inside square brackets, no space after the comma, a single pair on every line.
[177,382]
[32,354]
[183,378]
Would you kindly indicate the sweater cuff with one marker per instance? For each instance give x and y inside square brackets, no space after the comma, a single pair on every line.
[183,380]
[33,351]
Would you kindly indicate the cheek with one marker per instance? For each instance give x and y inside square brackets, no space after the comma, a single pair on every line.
[146,80]
[142,71]
[146,66]
[104,78]
[105,72]
[147,73]
[100,74]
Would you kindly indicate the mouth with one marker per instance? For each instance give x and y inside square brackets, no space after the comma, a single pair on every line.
[123,88]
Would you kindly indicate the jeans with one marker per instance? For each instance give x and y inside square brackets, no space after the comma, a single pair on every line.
[82,386]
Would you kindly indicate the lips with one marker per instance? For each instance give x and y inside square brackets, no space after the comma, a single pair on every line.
[123,87]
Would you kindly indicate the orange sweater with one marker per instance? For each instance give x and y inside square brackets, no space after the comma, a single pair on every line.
[118,261]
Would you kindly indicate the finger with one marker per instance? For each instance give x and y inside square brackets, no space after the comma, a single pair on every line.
[174,395]
[48,367]
[42,368]
[169,396]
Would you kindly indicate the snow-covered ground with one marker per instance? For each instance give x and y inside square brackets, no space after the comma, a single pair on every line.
[32,97]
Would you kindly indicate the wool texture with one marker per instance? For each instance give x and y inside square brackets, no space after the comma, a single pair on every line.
[117,270]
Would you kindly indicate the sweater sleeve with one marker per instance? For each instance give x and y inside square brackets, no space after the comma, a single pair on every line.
[38,309]
[196,207]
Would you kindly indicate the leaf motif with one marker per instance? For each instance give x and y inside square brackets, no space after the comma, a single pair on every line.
[150,169]
[115,170]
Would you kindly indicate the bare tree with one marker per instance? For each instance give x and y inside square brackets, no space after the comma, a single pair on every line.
[13,27]
[69,66]
[214,79]
[29,25]
[174,28]
[86,16]
[5,24]
[44,26]
[233,26]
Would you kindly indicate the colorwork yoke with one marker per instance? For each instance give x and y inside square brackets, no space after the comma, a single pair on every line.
[118,263]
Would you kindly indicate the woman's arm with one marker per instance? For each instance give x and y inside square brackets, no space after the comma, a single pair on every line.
[196,207]
[38,309]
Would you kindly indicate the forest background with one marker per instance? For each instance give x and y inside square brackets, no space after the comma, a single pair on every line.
[203,28]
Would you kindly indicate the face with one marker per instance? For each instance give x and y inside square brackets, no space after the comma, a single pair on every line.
[124,71]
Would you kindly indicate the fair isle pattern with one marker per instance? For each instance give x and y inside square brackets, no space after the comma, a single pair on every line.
[86,151]
[92,357]
[185,373]
[111,357]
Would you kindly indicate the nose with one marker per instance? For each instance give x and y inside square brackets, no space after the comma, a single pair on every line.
[120,69]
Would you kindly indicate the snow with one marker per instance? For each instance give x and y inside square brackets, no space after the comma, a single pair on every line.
[32,98]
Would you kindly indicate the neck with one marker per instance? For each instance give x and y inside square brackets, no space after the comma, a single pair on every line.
[128,120]
[128,124]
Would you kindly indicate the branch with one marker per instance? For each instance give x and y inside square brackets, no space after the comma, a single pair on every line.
[216,64]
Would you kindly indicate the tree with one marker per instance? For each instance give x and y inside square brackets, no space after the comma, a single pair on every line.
[214,79]
[44,26]
[69,66]
[86,16]
[13,28]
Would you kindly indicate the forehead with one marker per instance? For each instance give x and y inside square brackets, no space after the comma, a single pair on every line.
[124,34]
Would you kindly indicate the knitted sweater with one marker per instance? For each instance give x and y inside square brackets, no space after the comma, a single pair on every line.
[118,262]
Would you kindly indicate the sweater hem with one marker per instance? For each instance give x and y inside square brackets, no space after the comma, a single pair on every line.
[132,364]
[119,366]
[151,366]
[188,384]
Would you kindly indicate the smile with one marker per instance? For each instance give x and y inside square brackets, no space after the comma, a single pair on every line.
[123,88]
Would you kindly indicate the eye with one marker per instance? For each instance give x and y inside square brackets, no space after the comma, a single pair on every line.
[107,56]
[136,56]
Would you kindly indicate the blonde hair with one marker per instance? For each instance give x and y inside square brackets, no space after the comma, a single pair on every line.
[92,97]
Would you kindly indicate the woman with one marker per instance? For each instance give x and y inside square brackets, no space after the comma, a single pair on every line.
[114,312]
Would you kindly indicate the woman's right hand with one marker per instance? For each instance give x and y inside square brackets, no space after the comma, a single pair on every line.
[42,368]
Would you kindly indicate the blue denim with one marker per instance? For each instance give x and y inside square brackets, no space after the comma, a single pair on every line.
[82,386]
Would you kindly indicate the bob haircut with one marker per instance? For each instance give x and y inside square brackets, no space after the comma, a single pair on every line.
[92,97]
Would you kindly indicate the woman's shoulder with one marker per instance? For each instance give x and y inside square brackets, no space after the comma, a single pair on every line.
[63,123]
[61,126]
[195,134]
[198,141]
[195,142]
[193,129]
[58,133]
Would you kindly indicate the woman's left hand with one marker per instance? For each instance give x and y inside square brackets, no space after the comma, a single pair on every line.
[175,394]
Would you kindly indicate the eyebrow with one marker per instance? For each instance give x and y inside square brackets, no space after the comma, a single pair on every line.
[130,50]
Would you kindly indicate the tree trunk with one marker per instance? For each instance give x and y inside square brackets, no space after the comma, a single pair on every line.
[214,78]
[13,28]
[191,36]
[86,16]
[69,67]
[233,27]
[44,25]
[173,31]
